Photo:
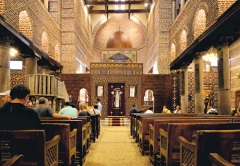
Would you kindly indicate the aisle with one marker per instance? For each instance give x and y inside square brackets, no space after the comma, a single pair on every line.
[115,147]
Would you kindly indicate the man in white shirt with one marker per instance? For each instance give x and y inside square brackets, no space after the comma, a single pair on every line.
[99,104]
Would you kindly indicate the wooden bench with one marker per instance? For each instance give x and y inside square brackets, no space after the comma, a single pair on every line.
[81,135]
[217,160]
[44,153]
[143,135]
[154,140]
[67,144]
[16,160]
[224,142]
[87,123]
[169,145]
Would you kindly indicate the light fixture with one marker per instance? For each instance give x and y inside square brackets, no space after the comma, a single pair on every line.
[146,4]
[211,55]
[13,52]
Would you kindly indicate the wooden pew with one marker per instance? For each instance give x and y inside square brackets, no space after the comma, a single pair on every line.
[154,140]
[16,160]
[87,123]
[14,142]
[217,160]
[224,142]
[143,136]
[67,144]
[95,123]
[81,135]
[169,145]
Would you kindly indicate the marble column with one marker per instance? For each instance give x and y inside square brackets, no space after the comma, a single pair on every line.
[198,73]
[173,10]
[30,66]
[184,93]
[182,4]
[4,68]
[224,99]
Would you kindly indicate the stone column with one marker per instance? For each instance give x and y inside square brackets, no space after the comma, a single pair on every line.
[45,70]
[173,10]
[184,93]
[30,66]
[4,67]
[54,104]
[224,100]
[199,99]
[182,4]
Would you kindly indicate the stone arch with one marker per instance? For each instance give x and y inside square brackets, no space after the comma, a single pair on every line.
[173,51]
[149,97]
[45,42]
[199,23]
[25,24]
[183,40]
[106,28]
[57,52]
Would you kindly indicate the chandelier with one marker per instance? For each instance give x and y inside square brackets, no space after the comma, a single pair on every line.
[211,55]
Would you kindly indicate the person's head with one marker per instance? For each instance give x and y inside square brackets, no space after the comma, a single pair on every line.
[177,107]
[150,108]
[134,105]
[43,101]
[83,106]
[97,100]
[29,104]
[6,96]
[20,92]
[67,104]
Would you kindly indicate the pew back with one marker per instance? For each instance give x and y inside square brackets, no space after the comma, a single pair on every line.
[22,142]
[224,142]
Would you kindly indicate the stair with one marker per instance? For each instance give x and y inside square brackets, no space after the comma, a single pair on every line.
[115,121]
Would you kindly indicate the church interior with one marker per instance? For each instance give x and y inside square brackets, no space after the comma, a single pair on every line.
[123,52]
[78,50]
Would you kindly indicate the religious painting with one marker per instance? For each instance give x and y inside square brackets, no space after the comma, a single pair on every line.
[132,91]
[99,90]
[121,55]
[116,103]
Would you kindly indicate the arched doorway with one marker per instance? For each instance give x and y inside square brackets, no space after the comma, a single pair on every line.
[83,95]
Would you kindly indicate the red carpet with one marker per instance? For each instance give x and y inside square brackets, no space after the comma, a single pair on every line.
[116,122]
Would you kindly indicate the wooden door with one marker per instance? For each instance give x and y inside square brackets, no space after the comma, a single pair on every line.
[116,100]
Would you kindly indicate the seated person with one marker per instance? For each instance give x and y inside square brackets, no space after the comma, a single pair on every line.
[134,109]
[84,110]
[212,111]
[69,110]
[150,110]
[15,115]
[177,110]
[165,110]
[95,110]
[45,111]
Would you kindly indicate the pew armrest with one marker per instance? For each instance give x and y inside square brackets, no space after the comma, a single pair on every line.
[217,160]
[52,149]
[14,161]
[187,152]
[73,142]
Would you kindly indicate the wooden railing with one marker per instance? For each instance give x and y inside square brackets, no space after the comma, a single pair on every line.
[46,85]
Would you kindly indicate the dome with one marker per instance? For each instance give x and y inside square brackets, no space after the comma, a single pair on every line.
[119,40]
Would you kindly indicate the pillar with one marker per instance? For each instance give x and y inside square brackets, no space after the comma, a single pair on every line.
[224,100]
[30,66]
[4,67]
[199,99]
[45,70]
[184,93]
[182,4]
[173,10]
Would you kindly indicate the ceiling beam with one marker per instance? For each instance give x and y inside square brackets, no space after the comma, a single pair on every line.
[120,11]
[118,3]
